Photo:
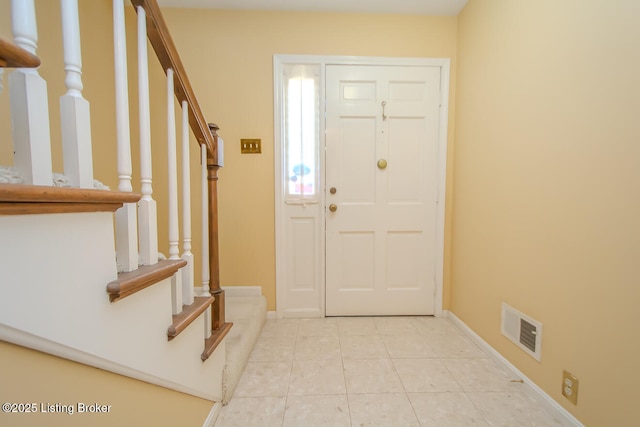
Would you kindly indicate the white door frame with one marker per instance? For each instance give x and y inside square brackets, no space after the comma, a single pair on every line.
[280,215]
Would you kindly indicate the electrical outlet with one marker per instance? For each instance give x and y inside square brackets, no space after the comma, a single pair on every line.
[570,387]
[250,146]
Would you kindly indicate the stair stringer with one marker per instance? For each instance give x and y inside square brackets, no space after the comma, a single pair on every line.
[53,274]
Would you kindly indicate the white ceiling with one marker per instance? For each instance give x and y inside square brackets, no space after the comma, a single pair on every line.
[413,7]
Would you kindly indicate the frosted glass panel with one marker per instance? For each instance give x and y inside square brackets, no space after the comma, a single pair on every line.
[301,131]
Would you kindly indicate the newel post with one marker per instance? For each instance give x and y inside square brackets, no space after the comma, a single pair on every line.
[218,314]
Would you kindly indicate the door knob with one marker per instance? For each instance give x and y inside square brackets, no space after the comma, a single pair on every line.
[382,164]
[333,207]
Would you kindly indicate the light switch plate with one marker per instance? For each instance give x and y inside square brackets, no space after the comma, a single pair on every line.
[250,146]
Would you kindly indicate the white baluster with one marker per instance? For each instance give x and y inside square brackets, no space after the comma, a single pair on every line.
[147,208]
[74,109]
[29,103]
[126,235]
[205,238]
[187,271]
[172,174]
[205,221]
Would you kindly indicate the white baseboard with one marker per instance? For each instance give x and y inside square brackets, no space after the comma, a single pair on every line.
[300,313]
[242,291]
[213,415]
[566,417]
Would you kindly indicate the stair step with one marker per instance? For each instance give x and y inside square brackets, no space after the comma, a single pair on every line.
[249,314]
[188,314]
[214,340]
[145,276]
[22,199]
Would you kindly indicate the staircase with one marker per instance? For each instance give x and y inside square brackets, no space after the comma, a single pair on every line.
[82,277]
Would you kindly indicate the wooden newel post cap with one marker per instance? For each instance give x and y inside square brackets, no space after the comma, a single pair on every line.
[211,161]
[214,129]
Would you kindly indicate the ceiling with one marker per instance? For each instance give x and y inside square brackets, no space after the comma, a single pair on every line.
[412,7]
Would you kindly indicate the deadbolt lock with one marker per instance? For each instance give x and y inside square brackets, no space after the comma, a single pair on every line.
[332,190]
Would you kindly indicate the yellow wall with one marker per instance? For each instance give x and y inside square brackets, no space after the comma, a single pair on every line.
[229,58]
[34,377]
[546,200]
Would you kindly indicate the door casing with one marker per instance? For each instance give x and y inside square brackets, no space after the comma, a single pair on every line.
[282,212]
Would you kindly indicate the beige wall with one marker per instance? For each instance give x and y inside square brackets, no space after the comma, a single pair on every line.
[229,58]
[34,377]
[546,200]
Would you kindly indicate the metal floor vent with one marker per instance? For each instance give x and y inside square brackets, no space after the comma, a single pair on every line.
[525,332]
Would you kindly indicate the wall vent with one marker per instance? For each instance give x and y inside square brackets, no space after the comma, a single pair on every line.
[525,332]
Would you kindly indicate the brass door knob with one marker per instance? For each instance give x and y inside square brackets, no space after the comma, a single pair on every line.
[333,207]
[382,164]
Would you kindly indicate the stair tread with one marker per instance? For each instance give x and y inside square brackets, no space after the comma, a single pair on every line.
[188,314]
[131,282]
[21,199]
[211,343]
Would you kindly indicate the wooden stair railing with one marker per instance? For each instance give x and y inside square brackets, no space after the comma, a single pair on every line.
[162,43]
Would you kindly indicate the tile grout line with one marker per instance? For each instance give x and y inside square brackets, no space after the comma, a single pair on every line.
[344,377]
[406,393]
[293,358]
[465,393]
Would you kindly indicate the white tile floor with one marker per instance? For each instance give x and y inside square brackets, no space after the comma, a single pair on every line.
[382,371]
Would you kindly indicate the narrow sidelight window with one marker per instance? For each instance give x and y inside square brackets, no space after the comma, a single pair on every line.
[301,132]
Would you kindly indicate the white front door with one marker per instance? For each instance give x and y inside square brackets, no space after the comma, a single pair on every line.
[382,125]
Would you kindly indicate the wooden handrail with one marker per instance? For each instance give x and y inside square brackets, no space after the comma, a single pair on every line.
[162,44]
